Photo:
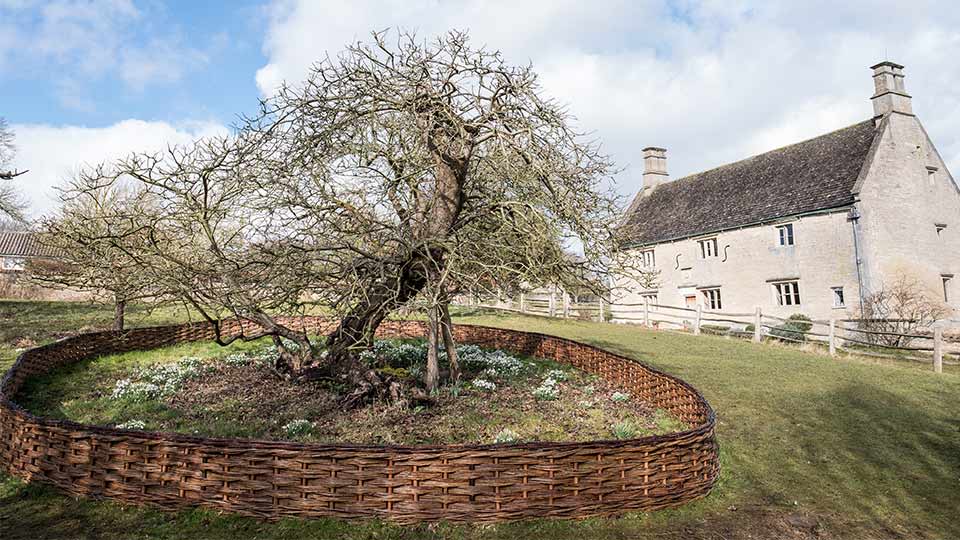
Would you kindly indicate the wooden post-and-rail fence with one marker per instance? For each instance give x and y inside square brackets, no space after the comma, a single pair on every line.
[757,326]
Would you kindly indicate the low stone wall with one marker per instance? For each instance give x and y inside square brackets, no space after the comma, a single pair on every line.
[407,484]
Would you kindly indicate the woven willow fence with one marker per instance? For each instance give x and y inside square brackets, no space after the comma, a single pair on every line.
[270,479]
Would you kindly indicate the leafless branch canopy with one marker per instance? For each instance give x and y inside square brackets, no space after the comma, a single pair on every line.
[898,310]
[399,170]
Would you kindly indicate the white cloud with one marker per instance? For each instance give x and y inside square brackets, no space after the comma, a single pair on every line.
[159,61]
[53,153]
[713,81]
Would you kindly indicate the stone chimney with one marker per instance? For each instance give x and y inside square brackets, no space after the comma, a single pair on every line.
[654,167]
[890,94]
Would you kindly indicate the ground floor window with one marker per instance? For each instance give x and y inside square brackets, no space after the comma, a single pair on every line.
[946,287]
[787,293]
[711,299]
[838,300]
[649,299]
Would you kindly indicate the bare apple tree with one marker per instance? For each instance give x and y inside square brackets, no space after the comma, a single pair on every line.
[400,171]
[86,258]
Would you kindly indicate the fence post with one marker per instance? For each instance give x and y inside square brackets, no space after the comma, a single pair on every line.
[552,303]
[757,321]
[566,305]
[646,313]
[833,336]
[696,326]
[938,349]
[522,309]
[601,309]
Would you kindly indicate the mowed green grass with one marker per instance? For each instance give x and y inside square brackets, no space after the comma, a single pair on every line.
[811,446]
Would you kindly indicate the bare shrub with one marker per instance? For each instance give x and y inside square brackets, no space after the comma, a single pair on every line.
[899,310]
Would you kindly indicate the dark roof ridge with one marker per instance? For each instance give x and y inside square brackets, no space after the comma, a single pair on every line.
[768,152]
[795,179]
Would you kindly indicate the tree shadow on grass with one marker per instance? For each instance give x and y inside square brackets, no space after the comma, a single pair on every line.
[867,453]
[880,454]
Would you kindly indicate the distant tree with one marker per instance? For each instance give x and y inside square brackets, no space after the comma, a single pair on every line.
[399,172]
[11,203]
[87,259]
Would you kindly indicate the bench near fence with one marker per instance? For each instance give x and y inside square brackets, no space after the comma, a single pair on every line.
[406,484]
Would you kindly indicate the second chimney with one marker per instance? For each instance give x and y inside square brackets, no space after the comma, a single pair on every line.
[890,94]
[654,167]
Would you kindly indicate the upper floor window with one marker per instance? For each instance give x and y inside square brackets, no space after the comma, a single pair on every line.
[711,299]
[708,248]
[787,293]
[838,300]
[785,234]
[940,228]
[946,287]
[646,256]
[932,175]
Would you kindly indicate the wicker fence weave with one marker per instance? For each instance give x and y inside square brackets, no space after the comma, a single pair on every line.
[272,479]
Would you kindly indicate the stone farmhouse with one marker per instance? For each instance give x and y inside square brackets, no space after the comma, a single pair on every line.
[809,228]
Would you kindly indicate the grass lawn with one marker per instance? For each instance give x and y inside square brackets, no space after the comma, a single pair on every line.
[811,447]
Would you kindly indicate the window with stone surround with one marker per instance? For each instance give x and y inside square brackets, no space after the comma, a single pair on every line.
[787,293]
[946,278]
[785,234]
[708,248]
[649,299]
[711,298]
[647,258]
[838,300]
[940,228]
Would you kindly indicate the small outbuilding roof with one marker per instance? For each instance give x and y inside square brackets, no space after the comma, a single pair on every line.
[809,176]
[24,244]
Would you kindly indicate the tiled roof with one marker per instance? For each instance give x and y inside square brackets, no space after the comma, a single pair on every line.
[813,175]
[23,244]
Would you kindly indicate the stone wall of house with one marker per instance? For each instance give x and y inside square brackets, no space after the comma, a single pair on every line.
[905,193]
[749,261]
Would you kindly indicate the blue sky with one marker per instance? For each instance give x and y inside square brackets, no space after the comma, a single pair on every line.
[713,81]
[217,44]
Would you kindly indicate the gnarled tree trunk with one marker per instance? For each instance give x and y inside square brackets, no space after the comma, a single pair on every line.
[434,219]
[119,313]
[446,327]
[432,378]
